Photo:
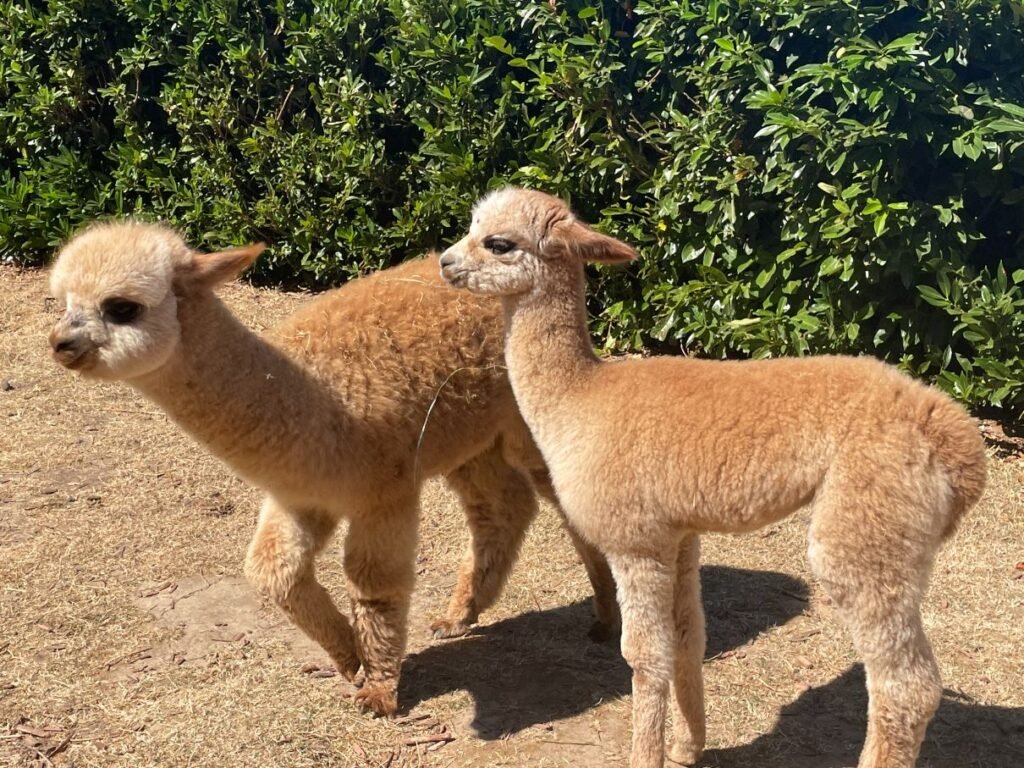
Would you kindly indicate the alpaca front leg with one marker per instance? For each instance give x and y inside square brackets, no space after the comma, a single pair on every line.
[646,587]
[688,679]
[280,564]
[380,553]
[606,607]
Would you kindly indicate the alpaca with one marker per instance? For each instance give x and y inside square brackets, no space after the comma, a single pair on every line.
[645,455]
[339,413]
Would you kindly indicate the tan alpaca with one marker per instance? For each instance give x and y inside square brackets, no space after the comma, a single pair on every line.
[645,455]
[339,414]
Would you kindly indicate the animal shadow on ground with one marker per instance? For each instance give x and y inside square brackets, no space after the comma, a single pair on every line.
[825,728]
[540,667]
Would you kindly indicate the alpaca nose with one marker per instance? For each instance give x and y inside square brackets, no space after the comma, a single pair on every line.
[70,350]
[65,346]
[447,259]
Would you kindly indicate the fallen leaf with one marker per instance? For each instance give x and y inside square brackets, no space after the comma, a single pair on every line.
[428,738]
[800,635]
[150,591]
[130,658]
[413,718]
[39,733]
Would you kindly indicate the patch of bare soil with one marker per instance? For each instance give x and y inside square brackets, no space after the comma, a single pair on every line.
[128,636]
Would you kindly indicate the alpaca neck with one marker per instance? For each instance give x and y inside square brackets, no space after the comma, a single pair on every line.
[241,397]
[547,344]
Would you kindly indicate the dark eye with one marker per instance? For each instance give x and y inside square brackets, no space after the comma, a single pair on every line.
[121,311]
[498,245]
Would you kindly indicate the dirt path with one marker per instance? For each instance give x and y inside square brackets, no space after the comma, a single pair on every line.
[129,638]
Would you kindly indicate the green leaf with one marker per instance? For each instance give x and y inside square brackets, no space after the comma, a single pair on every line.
[880,223]
[932,296]
[906,41]
[499,42]
[1005,125]
[830,266]
[963,110]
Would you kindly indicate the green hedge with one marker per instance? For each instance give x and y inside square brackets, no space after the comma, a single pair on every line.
[800,175]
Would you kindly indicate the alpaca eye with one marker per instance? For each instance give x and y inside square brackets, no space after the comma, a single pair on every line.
[498,245]
[121,311]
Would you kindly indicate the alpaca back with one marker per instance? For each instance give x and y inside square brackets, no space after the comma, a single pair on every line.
[417,362]
[732,446]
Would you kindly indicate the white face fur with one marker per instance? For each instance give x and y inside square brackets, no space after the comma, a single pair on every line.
[503,254]
[520,239]
[116,282]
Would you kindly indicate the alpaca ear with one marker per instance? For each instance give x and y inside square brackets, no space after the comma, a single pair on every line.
[211,269]
[591,245]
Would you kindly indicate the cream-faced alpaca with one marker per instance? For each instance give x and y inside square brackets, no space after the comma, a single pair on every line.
[340,413]
[645,455]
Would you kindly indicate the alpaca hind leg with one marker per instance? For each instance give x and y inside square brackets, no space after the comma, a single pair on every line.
[877,582]
[606,607]
[647,595]
[380,552]
[499,505]
[280,564]
[688,676]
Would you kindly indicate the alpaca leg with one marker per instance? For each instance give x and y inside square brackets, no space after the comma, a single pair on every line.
[877,582]
[380,553]
[280,564]
[647,594]
[688,678]
[606,607]
[499,505]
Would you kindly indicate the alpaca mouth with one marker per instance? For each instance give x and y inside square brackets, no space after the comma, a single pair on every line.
[455,277]
[76,359]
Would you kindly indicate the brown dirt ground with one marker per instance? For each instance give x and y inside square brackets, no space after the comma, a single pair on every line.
[128,637]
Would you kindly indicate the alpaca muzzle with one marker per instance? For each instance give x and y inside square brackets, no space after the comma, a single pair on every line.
[71,349]
[451,269]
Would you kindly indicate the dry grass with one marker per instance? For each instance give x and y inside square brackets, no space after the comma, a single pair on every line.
[127,636]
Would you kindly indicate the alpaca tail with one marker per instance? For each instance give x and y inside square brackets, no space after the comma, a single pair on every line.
[960,450]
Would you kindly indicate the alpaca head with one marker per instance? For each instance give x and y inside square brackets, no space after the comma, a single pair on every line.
[121,283]
[517,236]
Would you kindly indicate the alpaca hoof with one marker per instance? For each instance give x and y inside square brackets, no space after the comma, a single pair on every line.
[445,628]
[684,753]
[348,667]
[378,698]
[602,632]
